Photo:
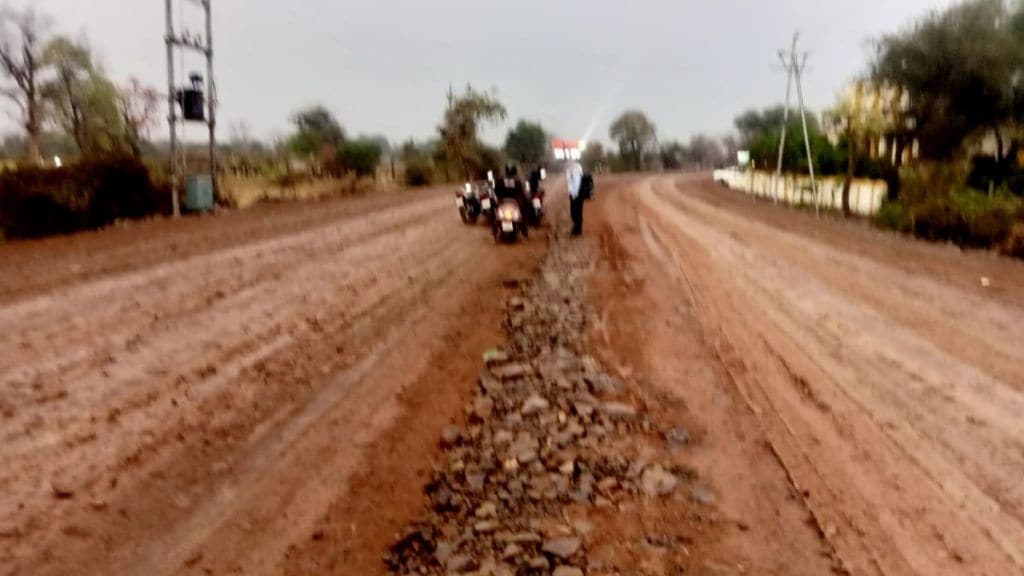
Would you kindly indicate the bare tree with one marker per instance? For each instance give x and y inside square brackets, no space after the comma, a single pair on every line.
[22,37]
[139,105]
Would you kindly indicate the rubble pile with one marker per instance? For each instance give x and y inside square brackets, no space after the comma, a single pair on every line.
[547,429]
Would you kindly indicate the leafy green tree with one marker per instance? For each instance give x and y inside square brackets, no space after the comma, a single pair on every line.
[527,143]
[860,122]
[760,133]
[316,130]
[960,70]
[360,157]
[82,101]
[461,126]
[637,136]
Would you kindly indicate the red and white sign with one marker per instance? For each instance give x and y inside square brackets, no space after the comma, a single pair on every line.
[567,149]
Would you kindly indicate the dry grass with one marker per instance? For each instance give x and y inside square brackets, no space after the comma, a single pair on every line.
[241,192]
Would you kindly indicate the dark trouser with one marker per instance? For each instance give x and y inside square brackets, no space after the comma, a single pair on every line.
[576,209]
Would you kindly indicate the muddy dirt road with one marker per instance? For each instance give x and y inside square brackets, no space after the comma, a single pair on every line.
[859,396]
[190,397]
[263,392]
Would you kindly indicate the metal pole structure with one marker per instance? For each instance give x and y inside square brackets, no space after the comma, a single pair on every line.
[172,104]
[785,116]
[212,98]
[807,139]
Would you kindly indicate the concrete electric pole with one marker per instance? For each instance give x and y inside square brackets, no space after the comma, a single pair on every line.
[795,64]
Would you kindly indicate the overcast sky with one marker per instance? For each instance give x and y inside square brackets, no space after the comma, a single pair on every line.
[383,66]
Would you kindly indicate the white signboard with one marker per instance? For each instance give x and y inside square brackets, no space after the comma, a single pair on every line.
[743,157]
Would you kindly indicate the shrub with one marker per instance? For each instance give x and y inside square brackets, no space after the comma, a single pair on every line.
[894,216]
[360,157]
[1014,245]
[419,172]
[36,202]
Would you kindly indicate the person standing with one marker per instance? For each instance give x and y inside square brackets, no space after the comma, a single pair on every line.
[574,180]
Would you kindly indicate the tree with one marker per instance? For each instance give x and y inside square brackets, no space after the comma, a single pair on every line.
[317,130]
[760,133]
[594,158]
[673,155]
[360,157]
[527,143]
[636,135]
[460,128]
[22,37]
[860,121]
[705,152]
[80,100]
[139,105]
[960,71]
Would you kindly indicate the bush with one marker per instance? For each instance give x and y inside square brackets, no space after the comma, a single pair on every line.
[419,172]
[360,157]
[1014,245]
[894,216]
[36,202]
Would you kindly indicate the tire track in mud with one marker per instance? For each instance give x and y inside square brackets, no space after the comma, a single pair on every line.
[195,437]
[868,531]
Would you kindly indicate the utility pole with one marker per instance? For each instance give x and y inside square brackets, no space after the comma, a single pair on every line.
[211,98]
[172,108]
[795,64]
[204,46]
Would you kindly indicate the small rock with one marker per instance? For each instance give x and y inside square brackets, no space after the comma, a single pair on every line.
[568,467]
[486,526]
[511,372]
[656,482]
[450,436]
[678,438]
[511,551]
[702,495]
[487,510]
[483,407]
[618,410]
[538,563]
[518,538]
[61,489]
[535,404]
[495,356]
[561,547]
[459,563]
[567,571]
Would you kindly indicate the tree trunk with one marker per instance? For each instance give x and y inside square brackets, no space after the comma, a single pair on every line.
[851,166]
[999,144]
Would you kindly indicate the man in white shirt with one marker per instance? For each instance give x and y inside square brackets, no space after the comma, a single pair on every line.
[574,179]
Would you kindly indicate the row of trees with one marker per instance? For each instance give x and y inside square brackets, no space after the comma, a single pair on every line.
[55,83]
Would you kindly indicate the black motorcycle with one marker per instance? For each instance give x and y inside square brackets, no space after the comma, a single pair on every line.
[467,200]
[535,196]
[488,200]
[509,222]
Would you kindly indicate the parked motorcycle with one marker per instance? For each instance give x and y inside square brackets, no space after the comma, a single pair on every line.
[535,195]
[509,223]
[488,200]
[467,200]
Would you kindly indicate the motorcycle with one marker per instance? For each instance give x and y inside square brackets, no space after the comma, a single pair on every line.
[467,200]
[536,199]
[509,223]
[488,200]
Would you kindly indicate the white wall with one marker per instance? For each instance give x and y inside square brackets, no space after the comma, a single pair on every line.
[866,196]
